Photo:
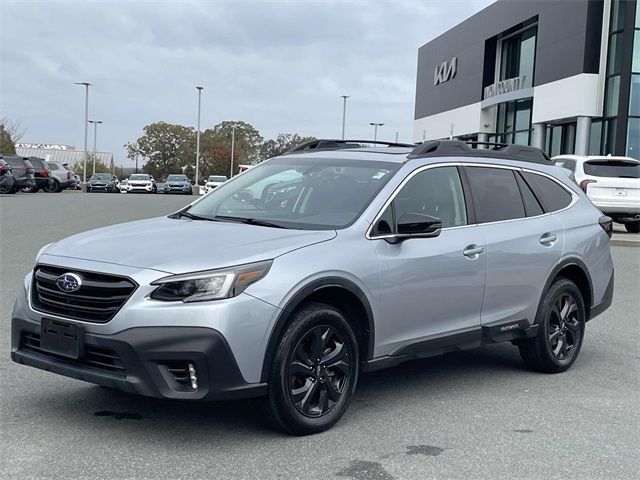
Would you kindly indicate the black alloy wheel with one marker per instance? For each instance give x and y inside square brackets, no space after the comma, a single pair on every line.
[563,329]
[53,186]
[7,184]
[318,371]
[313,372]
[561,321]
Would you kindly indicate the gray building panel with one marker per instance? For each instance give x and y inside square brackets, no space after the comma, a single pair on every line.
[566,30]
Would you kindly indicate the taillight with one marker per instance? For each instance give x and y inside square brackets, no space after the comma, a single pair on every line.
[607,225]
[68,175]
[585,183]
[44,172]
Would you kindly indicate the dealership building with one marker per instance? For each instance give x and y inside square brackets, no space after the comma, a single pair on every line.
[560,75]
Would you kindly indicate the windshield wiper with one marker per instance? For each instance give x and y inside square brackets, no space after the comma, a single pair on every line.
[190,216]
[249,221]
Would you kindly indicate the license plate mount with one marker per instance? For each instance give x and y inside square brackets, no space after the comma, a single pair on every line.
[61,338]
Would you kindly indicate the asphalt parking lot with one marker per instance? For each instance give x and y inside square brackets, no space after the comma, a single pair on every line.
[475,414]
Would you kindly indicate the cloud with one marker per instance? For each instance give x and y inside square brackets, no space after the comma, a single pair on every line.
[280,65]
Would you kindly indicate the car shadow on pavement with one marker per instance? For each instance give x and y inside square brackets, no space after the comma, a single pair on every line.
[137,415]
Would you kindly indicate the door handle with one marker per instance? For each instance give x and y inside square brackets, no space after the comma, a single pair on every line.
[473,251]
[548,239]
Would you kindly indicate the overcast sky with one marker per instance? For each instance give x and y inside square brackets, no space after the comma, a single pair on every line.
[279,65]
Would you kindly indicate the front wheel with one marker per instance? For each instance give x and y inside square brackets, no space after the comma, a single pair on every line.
[314,372]
[561,321]
[632,227]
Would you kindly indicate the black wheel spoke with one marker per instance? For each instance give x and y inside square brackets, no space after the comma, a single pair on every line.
[323,400]
[298,394]
[299,368]
[332,393]
[336,355]
[553,337]
[305,402]
[573,326]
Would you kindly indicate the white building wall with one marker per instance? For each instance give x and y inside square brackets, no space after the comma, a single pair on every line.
[465,120]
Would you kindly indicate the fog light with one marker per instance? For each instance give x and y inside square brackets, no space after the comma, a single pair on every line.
[193,377]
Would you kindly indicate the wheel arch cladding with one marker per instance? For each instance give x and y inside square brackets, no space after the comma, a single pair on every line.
[575,270]
[338,292]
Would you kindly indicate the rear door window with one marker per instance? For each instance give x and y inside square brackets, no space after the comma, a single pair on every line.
[496,193]
[552,196]
[612,168]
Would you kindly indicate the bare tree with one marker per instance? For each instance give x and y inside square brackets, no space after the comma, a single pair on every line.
[13,128]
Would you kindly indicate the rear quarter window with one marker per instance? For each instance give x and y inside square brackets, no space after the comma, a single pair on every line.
[551,195]
[616,168]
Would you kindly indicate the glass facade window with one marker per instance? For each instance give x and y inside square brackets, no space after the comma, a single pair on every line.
[635,65]
[560,139]
[612,96]
[517,56]
[633,138]
[615,54]
[618,9]
[634,98]
[514,122]
[595,138]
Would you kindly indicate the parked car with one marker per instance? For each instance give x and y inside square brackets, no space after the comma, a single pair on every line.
[22,172]
[61,177]
[293,278]
[77,183]
[6,178]
[612,184]
[177,184]
[103,182]
[214,181]
[42,176]
[139,182]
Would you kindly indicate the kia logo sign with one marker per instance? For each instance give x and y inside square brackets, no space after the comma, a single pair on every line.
[69,282]
[446,71]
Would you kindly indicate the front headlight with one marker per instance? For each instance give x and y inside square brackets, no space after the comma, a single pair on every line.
[210,284]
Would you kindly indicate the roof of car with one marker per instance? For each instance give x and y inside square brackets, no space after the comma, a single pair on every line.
[587,158]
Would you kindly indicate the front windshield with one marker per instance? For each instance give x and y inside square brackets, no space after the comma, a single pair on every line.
[101,176]
[176,178]
[302,193]
[139,177]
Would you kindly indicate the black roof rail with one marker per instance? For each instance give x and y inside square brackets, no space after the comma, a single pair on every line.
[324,144]
[440,148]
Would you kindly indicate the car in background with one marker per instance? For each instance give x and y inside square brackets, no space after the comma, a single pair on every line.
[214,181]
[611,183]
[76,184]
[61,177]
[178,183]
[103,182]
[139,182]
[22,172]
[42,176]
[6,178]
[244,168]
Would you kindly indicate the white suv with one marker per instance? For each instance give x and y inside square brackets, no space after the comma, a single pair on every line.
[214,181]
[139,182]
[612,184]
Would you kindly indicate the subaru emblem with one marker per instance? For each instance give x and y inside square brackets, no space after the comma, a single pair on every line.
[69,282]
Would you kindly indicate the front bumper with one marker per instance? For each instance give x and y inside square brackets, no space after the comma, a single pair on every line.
[140,360]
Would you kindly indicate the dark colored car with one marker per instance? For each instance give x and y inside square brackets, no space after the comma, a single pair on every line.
[103,182]
[22,171]
[42,176]
[178,184]
[6,177]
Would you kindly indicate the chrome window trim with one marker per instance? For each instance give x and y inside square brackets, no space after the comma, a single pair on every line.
[574,196]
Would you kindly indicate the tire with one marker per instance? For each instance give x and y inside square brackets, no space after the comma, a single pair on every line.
[53,186]
[632,227]
[33,189]
[323,388]
[7,184]
[547,352]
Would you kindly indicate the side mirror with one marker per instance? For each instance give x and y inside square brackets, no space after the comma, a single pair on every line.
[416,225]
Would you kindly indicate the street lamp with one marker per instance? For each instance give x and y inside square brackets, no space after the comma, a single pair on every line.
[198,136]
[95,136]
[375,129]
[233,142]
[86,125]
[344,112]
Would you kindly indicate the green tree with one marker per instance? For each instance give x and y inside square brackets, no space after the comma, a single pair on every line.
[281,144]
[166,148]
[101,167]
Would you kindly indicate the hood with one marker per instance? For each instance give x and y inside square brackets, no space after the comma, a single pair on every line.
[183,245]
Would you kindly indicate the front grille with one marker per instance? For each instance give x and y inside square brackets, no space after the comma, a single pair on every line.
[97,300]
[100,358]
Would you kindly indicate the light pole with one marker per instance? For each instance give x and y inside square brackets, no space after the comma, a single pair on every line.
[233,143]
[344,112]
[198,136]
[95,136]
[86,125]
[375,129]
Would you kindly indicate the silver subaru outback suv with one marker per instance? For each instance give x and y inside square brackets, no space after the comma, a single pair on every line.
[292,279]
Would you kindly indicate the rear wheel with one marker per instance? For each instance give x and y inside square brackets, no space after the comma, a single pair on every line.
[33,189]
[632,227]
[561,321]
[53,186]
[314,372]
[7,183]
